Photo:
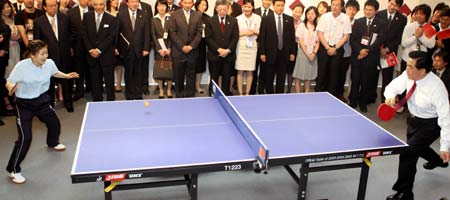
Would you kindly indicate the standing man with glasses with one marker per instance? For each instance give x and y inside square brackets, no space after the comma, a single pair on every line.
[222,34]
[334,31]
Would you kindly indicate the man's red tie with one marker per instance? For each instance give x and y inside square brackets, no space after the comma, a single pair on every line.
[408,95]
[222,25]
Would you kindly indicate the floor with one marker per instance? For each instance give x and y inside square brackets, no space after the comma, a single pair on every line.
[48,172]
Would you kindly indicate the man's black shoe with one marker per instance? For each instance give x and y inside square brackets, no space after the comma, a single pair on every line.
[431,166]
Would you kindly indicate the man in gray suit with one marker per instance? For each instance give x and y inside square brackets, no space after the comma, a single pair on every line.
[185,29]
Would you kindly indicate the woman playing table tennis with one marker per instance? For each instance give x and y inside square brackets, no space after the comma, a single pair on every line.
[30,80]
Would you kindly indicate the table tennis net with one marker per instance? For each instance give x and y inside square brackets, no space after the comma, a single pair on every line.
[258,147]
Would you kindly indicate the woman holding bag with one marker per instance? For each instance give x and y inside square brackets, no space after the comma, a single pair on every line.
[161,43]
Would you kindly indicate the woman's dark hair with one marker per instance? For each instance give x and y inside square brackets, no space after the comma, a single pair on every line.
[108,5]
[198,2]
[306,17]
[35,46]
[3,4]
[161,2]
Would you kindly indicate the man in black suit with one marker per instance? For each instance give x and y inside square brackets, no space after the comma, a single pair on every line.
[222,34]
[79,51]
[368,34]
[440,67]
[145,63]
[19,5]
[185,30]
[99,34]
[395,24]
[276,47]
[171,6]
[53,28]
[133,46]
[258,74]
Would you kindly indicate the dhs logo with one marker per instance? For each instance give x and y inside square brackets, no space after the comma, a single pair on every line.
[138,175]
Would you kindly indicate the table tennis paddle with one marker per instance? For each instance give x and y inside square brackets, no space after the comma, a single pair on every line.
[386,112]
[14,89]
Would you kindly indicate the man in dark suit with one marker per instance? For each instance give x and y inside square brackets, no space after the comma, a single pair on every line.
[185,30]
[19,6]
[133,46]
[79,51]
[53,28]
[99,34]
[368,34]
[440,68]
[171,6]
[222,34]
[395,22]
[258,74]
[145,63]
[276,47]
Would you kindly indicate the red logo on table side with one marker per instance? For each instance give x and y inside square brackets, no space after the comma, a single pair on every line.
[373,154]
[115,177]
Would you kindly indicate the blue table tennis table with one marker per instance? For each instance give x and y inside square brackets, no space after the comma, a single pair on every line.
[127,140]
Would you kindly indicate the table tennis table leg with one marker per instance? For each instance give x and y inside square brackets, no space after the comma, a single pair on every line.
[363,180]
[304,170]
[108,195]
[192,186]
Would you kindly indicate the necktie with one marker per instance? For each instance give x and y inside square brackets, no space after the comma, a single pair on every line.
[408,95]
[369,22]
[20,7]
[187,17]
[280,34]
[265,13]
[97,22]
[133,20]
[85,10]
[54,28]
[389,20]
[222,25]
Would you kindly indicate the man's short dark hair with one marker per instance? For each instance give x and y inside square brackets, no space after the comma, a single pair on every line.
[423,60]
[342,3]
[372,3]
[352,3]
[443,55]
[221,3]
[445,12]
[273,1]
[398,2]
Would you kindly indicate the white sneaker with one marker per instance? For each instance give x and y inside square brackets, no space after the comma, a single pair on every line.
[59,147]
[17,178]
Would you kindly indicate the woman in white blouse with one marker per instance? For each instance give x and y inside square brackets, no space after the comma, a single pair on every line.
[246,51]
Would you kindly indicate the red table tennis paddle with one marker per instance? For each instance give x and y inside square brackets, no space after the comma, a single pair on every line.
[386,112]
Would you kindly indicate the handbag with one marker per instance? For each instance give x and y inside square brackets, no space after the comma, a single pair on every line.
[163,69]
